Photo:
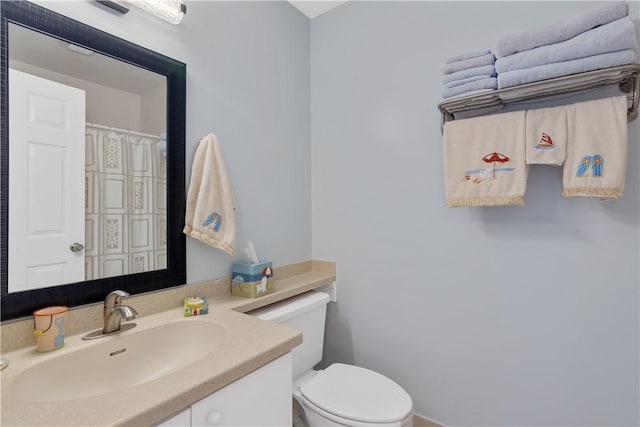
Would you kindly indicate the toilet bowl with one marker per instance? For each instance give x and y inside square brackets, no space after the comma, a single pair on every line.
[346,395]
[341,394]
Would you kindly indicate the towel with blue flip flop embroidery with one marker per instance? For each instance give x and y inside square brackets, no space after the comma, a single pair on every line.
[597,142]
[211,203]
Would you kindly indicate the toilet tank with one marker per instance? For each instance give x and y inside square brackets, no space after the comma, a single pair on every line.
[306,313]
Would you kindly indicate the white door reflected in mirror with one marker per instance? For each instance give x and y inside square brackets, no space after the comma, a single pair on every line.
[46,182]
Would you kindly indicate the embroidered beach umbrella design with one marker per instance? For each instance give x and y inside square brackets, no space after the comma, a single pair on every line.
[495,158]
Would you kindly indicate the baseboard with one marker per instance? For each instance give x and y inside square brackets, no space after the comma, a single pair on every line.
[421,421]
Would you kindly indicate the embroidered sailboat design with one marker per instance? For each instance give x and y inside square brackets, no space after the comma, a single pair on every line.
[545,143]
[546,140]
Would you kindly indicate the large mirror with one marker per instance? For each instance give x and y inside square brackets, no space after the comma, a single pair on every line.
[92,163]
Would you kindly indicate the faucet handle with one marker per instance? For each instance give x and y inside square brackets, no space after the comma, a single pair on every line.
[114,298]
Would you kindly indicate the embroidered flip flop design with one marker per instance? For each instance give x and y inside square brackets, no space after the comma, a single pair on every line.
[598,165]
[594,163]
[584,165]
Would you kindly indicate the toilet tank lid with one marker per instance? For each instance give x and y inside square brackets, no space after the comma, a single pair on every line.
[358,394]
[291,307]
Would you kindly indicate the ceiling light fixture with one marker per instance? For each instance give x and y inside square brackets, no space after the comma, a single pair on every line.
[170,10]
[76,49]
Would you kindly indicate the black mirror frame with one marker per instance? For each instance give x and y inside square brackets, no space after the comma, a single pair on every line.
[37,18]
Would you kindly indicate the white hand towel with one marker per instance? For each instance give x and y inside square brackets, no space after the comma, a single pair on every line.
[465,81]
[484,160]
[210,215]
[486,83]
[596,163]
[465,64]
[467,55]
[486,70]
[546,135]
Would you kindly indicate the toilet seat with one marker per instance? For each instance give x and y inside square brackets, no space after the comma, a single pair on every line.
[353,395]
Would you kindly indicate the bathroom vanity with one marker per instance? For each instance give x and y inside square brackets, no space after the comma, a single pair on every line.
[262,397]
[242,345]
[237,369]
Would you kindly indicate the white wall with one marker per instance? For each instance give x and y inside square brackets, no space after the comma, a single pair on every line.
[497,316]
[487,316]
[247,82]
[104,105]
[153,110]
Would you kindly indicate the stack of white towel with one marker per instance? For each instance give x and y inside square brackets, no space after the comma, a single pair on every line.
[468,73]
[600,38]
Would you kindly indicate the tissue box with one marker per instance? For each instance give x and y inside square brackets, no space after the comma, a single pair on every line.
[251,280]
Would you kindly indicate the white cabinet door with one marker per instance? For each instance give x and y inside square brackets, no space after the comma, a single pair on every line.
[183,419]
[262,398]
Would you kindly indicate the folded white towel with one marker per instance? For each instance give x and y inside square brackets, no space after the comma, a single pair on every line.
[617,35]
[546,135]
[562,30]
[584,79]
[210,215]
[472,92]
[485,70]
[465,64]
[467,55]
[464,81]
[486,83]
[596,163]
[484,160]
[559,69]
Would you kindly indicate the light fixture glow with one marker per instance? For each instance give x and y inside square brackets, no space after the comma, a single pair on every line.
[170,10]
[76,49]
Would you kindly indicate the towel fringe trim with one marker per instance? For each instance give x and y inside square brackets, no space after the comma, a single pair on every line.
[592,192]
[485,201]
[209,240]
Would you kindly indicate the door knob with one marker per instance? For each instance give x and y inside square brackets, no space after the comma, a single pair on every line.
[76,247]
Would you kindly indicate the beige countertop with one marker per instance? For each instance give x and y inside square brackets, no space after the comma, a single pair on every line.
[248,344]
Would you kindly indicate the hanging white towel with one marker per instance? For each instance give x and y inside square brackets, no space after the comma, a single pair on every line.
[546,135]
[484,160]
[210,215]
[596,163]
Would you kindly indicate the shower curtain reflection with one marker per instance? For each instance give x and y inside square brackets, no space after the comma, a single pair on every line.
[125,202]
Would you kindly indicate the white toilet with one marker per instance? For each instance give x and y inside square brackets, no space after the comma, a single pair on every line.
[340,395]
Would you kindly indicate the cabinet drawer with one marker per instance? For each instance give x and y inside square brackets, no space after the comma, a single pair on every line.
[261,398]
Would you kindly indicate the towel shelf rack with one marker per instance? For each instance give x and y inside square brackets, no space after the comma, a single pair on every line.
[627,77]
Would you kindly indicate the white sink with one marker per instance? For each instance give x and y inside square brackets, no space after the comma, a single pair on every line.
[119,362]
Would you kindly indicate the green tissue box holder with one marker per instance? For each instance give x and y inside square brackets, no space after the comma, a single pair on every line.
[251,280]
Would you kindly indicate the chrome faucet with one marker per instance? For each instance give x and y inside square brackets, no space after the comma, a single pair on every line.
[113,311]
